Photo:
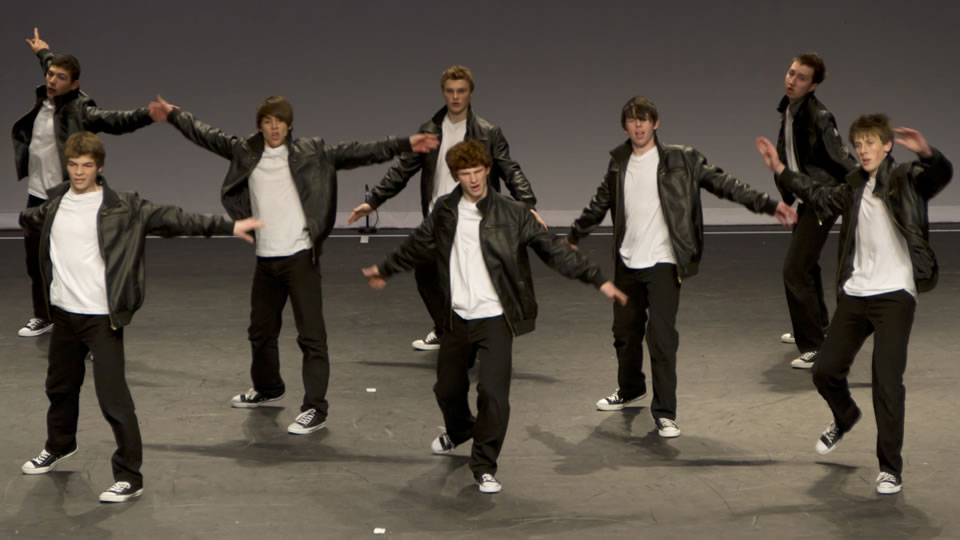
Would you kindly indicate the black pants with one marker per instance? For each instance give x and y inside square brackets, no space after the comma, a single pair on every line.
[889,317]
[275,279]
[801,280]
[652,310]
[73,336]
[31,243]
[489,342]
[428,285]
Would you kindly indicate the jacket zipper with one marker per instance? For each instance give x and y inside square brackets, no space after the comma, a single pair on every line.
[103,256]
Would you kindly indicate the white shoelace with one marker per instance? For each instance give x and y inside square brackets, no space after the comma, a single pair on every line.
[306,416]
[119,487]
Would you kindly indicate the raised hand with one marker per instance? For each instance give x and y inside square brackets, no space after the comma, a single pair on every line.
[372,273]
[363,210]
[160,109]
[424,142]
[539,219]
[913,140]
[613,293]
[243,228]
[785,214]
[769,153]
[36,44]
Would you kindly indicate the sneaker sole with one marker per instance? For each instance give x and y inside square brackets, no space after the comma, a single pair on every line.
[34,333]
[800,364]
[420,346]
[249,405]
[669,434]
[890,491]
[788,341]
[300,430]
[823,449]
[490,490]
[113,498]
[44,470]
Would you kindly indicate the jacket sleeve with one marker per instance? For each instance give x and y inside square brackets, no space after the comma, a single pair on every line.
[930,175]
[168,221]
[99,120]
[513,177]
[827,200]
[396,178]
[725,186]
[357,154]
[45,56]
[203,135]
[833,142]
[556,254]
[31,219]
[596,210]
[418,249]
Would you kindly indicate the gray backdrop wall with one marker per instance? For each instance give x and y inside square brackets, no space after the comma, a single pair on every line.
[552,74]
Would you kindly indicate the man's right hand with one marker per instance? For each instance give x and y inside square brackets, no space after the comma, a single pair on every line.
[160,109]
[769,153]
[36,44]
[372,273]
[363,210]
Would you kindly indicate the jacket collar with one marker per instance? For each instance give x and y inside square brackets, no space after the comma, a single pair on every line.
[59,101]
[859,177]
[442,113]
[257,144]
[795,106]
[110,197]
[622,153]
[453,199]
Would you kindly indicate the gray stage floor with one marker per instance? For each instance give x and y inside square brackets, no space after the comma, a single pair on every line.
[743,468]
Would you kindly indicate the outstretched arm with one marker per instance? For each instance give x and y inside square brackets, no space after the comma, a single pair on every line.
[596,210]
[40,48]
[726,186]
[197,132]
[393,182]
[99,120]
[357,154]
[170,221]
[826,201]
[416,250]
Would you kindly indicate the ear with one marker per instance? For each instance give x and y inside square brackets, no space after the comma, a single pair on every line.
[813,87]
[887,146]
[656,125]
[74,85]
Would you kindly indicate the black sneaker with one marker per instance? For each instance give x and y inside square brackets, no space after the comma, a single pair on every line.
[120,492]
[667,428]
[307,422]
[615,402]
[488,484]
[251,400]
[35,327]
[45,462]
[805,360]
[888,484]
[831,436]
[429,343]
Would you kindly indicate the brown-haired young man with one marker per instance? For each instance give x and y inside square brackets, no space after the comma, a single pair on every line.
[60,110]
[453,123]
[885,261]
[486,284]
[291,184]
[652,191]
[91,258]
[808,143]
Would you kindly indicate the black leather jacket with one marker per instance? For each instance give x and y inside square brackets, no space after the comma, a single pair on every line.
[313,164]
[904,189]
[73,112]
[821,153]
[506,230]
[477,129]
[680,175]
[123,223]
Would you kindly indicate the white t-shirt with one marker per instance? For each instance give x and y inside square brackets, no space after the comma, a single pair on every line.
[443,180]
[275,200]
[472,292]
[45,169]
[79,275]
[788,142]
[646,241]
[881,261]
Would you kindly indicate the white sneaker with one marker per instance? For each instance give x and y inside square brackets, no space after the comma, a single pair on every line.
[120,492]
[667,428]
[489,484]
[306,422]
[442,444]
[429,343]
[35,327]
[805,360]
[888,484]
[788,338]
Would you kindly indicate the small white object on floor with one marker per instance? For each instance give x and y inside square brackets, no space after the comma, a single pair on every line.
[379,530]
[372,390]
[365,239]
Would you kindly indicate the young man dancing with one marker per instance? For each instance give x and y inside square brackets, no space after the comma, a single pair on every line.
[652,191]
[60,110]
[808,143]
[885,260]
[477,239]
[91,260]
[453,124]
[291,184]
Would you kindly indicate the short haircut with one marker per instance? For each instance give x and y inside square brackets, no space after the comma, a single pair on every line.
[467,155]
[84,143]
[457,73]
[68,63]
[277,107]
[638,107]
[872,124]
[813,61]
